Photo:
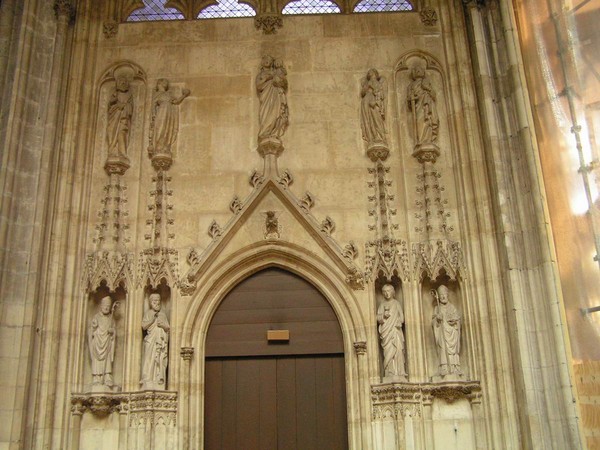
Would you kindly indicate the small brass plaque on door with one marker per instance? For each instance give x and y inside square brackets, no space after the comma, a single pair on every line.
[278,335]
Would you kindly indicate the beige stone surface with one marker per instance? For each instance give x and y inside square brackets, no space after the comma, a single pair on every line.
[202,228]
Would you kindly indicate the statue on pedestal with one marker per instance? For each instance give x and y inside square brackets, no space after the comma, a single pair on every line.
[120,110]
[164,124]
[271,87]
[372,109]
[421,100]
[101,341]
[156,346]
[446,331]
[390,318]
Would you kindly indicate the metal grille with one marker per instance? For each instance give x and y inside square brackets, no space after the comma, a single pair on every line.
[311,7]
[154,10]
[366,6]
[227,8]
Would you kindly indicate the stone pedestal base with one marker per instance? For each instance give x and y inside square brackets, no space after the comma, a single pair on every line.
[395,379]
[426,153]
[161,161]
[378,150]
[270,148]
[117,164]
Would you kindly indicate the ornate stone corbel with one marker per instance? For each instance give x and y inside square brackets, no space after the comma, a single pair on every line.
[428,16]
[64,8]
[110,28]
[268,23]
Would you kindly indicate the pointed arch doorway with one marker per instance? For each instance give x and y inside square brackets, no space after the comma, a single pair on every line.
[275,394]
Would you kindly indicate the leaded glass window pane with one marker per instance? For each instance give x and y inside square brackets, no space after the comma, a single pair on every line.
[154,10]
[311,7]
[382,6]
[227,8]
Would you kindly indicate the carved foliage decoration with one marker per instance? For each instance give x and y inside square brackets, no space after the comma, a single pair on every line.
[113,269]
[268,23]
[299,208]
[157,265]
[442,257]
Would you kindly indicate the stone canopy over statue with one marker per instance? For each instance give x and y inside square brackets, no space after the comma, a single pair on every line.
[273,114]
[390,318]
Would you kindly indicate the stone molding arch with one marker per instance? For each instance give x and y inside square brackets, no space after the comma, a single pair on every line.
[238,267]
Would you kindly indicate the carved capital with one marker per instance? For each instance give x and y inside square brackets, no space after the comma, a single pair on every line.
[65,9]
[268,23]
[429,16]
[360,347]
[187,353]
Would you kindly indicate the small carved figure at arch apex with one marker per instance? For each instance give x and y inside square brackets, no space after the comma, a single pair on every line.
[272,226]
[446,323]
[390,318]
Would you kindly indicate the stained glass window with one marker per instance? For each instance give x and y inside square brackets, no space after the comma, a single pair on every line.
[382,6]
[227,8]
[311,7]
[154,10]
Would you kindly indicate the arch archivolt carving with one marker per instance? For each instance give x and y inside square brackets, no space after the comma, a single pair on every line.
[224,275]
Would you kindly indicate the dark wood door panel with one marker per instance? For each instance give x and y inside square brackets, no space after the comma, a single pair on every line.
[278,403]
[269,300]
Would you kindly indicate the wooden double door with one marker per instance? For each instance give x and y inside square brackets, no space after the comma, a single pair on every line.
[275,396]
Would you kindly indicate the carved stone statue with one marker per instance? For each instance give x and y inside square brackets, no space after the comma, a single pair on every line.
[164,124]
[271,86]
[421,100]
[372,109]
[156,346]
[120,110]
[446,331]
[391,318]
[101,340]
